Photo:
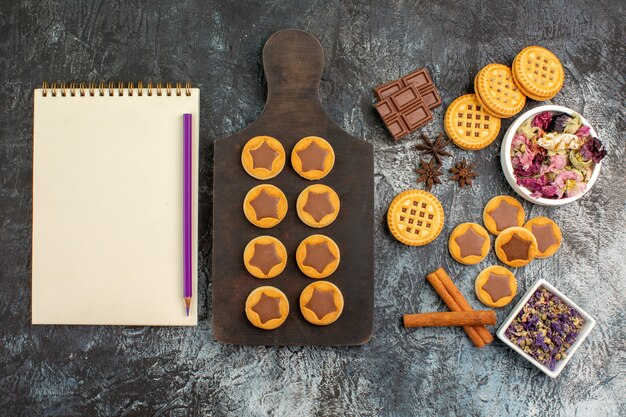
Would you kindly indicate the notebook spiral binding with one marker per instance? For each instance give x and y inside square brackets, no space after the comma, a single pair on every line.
[102,89]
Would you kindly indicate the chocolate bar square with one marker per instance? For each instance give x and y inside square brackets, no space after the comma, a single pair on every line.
[417,116]
[397,127]
[386,109]
[388,89]
[406,97]
[430,97]
[420,78]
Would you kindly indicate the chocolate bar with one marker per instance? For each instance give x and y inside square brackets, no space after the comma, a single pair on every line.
[403,111]
[421,79]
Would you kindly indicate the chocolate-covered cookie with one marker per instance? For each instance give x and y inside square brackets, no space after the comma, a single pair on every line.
[469,243]
[495,286]
[516,246]
[502,212]
[265,206]
[263,157]
[265,257]
[267,307]
[321,303]
[547,233]
[312,158]
[318,205]
[318,256]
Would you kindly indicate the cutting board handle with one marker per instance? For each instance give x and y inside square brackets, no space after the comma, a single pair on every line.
[293,61]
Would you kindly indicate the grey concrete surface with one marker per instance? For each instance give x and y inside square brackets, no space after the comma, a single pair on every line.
[119,371]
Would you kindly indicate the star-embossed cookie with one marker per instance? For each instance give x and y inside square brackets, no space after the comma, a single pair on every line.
[263,157]
[469,243]
[267,307]
[265,257]
[312,158]
[321,303]
[265,206]
[318,256]
[516,246]
[318,205]
[495,286]
[547,233]
[501,212]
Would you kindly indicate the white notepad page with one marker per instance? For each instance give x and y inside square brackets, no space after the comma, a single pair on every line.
[108,209]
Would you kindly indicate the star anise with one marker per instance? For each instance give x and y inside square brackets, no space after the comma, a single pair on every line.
[429,173]
[435,148]
[463,173]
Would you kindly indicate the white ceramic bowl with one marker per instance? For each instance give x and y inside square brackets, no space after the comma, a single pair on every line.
[590,322]
[507,166]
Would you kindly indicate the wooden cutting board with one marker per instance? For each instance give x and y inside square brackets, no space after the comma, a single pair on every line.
[293,61]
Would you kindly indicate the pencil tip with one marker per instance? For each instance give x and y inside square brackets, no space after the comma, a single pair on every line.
[187,305]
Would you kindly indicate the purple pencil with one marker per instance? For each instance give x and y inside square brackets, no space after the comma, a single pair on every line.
[187,268]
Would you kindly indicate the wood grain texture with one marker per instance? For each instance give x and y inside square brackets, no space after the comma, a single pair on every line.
[293,61]
[93,371]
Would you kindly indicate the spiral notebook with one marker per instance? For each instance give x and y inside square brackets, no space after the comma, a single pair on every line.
[107,242]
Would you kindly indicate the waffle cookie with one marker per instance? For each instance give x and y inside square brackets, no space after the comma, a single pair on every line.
[263,157]
[415,217]
[321,303]
[265,257]
[318,256]
[312,158]
[547,233]
[495,286]
[501,212]
[538,73]
[516,246]
[265,206]
[267,307]
[468,124]
[318,205]
[497,92]
[469,243]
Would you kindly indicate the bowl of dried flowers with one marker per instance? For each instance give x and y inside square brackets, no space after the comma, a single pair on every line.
[546,328]
[551,155]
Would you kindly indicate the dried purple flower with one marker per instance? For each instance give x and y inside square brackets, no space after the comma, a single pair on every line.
[593,150]
[545,328]
[560,122]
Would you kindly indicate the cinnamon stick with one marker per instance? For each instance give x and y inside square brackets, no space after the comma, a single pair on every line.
[452,305]
[462,302]
[450,318]
[455,301]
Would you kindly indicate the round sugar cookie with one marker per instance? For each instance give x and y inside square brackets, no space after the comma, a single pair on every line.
[321,303]
[265,257]
[516,246]
[539,72]
[495,286]
[318,205]
[497,91]
[469,125]
[263,157]
[318,256]
[415,217]
[265,206]
[547,233]
[501,212]
[267,307]
[469,243]
[312,158]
